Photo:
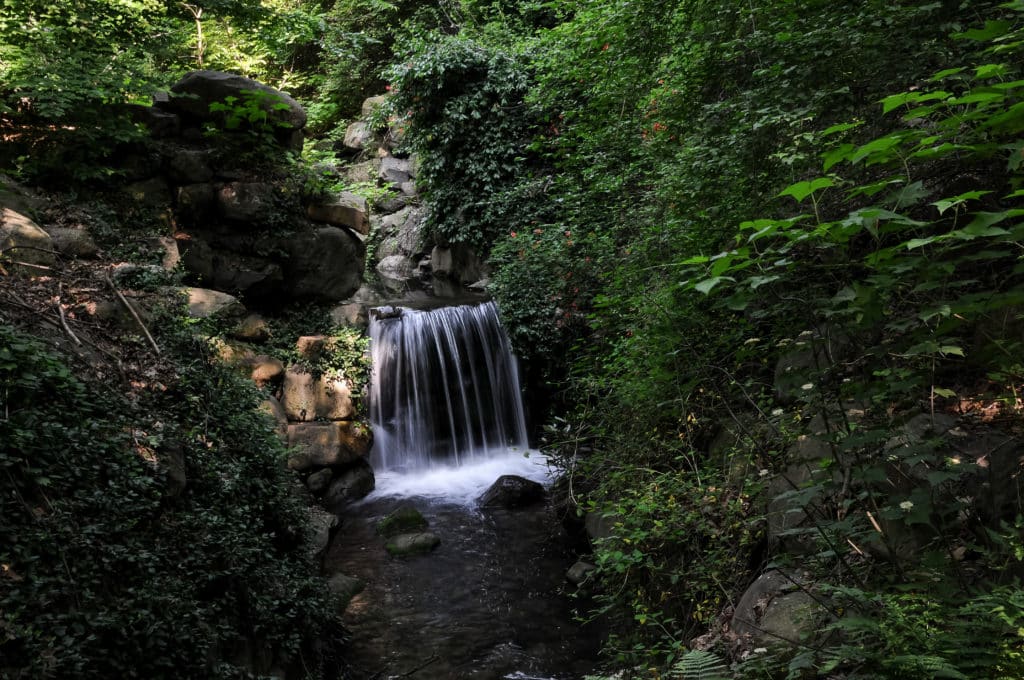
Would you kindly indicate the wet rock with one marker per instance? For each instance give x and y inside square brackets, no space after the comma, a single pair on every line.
[23,240]
[344,589]
[322,525]
[353,483]
[579,572]
[323,444]
[318,482]
[204,303]
[512,491]
[403,520]
[412,544]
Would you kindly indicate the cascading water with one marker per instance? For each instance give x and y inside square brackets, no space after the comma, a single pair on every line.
[445,389]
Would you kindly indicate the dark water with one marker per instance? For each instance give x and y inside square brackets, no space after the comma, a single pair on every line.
[488,604]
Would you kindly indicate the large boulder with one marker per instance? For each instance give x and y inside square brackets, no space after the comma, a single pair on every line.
[327,444]
[358,136]
[404,233]
[198,89]
[512,491]
[307,397]
[73,242]
[343,210]
[228,270]
[350,485]
[249,202]
[204,303]
[325,264]
[23,240]
[458,263]
[778,609]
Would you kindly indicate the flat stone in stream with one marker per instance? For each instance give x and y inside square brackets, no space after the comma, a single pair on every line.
[403,520]
[412,544]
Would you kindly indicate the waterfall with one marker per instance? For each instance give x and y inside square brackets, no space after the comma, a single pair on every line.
[445,388]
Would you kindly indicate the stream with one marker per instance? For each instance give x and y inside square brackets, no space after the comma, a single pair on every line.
[490,603]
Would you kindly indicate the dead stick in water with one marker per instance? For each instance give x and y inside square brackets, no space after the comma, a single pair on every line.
[131,310]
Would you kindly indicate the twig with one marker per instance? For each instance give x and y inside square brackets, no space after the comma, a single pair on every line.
[131,310]
[64,320]
[29,264]
[426,663]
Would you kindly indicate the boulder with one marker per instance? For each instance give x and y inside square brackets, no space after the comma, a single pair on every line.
[358,136]
[398,267]
[154,192]
[579,572]
[112,311]
[458,263]
[778,609]
[371,104]
[322,525]
[189,166]
[306,397]
[171,455]
[412,544]
[363,173]
[23,240]
[394,171]
[353,483]
[390,203]
[325,264]
[265,370]
[161,124]
[403,520]
[250,202]
[512,491]
[204,303]
[196,203]
[327,444]
[167,248]
[599,526]
[253,328]
[353,314]
[197,90]
[311,347]
[404,233]
[318,481]
[343,210]
[344,588]
[73,242]
[227,270]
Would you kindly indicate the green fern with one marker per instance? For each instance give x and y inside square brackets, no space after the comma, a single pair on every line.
[934,666]
[700,665]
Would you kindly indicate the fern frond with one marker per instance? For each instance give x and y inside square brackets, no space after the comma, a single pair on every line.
[700,665]
[934,666]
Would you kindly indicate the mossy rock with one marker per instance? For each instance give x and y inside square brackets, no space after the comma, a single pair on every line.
[405,519]
[412,544]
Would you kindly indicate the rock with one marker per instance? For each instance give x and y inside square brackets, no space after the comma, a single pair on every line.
[390,203]
[23,240]
[363,173]
[358,136]
[250,202]
[327,444]
[196,203]
[343,210]
[167,247]
[512,491]
[253,328]
[344,588]
[458,262]
[155,192]
[403,520]
[371,104]
[204,303]
[775,610]
[599,526]
[112,311]
[228,270]
[325,264]
[73,242]
[161,124]
[272,408]
[409,189]
[198,89]
[322,525]
[404,233]
[21,200]
[995,480]
[308,398]
[311,347]
[412,544]
[190,166]
[353,483]
[318,481]
[353,314]
[394,171]
[579,572]
[398,267]
[265,370]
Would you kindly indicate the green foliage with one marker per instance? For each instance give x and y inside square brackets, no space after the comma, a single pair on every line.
[107,572]
[464,104]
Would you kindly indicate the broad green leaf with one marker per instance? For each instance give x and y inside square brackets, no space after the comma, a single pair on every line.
[991,71]
[758,281]
[707,285]
[951,349]
[947,73]
[943,392]
[878,150]
[802,190]
[696,259]
[836,155]
[992,29]
[841,127]
[947,203]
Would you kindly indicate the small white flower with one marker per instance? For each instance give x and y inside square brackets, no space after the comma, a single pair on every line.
[906,506]
[777,411]
[751,341]
[761,650]
[807,386]
[763,473]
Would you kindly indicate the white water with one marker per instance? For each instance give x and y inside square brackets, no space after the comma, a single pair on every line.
[444,395]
